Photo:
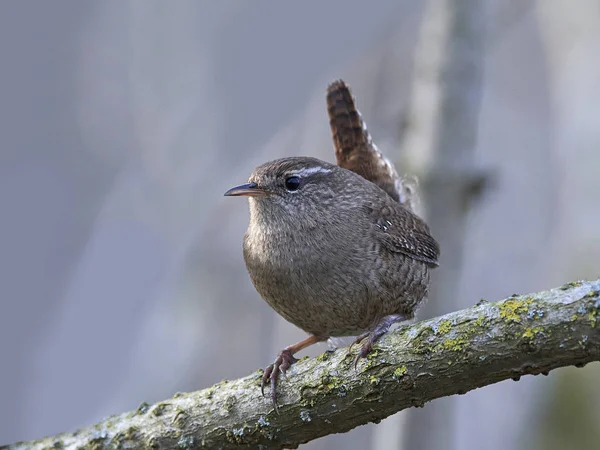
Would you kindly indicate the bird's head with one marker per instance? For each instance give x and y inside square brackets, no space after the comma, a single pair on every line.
[296,189]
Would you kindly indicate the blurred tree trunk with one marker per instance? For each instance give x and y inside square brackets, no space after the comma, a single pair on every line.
[439,146]
[570,33]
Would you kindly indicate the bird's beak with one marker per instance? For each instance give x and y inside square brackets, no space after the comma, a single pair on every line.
[249,190]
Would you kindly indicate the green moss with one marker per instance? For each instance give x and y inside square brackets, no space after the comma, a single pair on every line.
[309,402]
[374,354]
[573,317]
[323,357]
[444,327]
[480,322]
[399,372]
[511,309]
[369,362]
[570,285]
[374,380]
[454,344]
[457,336]
[419,341]
[593,310]
[528,333]
[333,383]
[531,332]
[330,383]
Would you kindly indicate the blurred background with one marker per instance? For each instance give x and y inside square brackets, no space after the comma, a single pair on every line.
[122,124]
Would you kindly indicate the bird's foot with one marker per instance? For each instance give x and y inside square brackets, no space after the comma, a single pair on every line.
[280,365]
[369,338]
[283,363]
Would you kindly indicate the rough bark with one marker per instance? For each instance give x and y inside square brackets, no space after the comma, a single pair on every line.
[451,354]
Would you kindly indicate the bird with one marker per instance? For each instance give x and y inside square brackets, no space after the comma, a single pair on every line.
[335,249]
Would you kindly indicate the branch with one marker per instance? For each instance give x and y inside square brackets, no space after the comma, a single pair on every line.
[452,354]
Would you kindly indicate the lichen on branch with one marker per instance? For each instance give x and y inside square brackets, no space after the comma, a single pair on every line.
[452,354]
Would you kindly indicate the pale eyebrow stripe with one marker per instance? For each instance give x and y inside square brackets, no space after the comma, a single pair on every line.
[310,171]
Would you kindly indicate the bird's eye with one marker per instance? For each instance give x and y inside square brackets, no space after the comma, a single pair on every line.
[292,183]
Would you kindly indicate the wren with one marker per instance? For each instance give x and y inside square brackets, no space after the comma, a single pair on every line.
[336,249]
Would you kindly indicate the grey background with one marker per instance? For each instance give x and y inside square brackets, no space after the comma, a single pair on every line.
[121,125]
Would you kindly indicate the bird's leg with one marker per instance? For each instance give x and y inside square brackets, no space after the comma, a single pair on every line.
[282,363]
[372,336]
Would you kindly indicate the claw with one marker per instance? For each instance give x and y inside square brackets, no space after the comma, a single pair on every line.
[373,336]
[271,374]
[283,363]
[364,351]
[266,376]
[358,340]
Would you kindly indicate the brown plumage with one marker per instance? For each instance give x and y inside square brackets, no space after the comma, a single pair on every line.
[354,147]
[331,248]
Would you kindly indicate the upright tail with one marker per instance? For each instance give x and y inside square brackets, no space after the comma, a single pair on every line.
[354,147]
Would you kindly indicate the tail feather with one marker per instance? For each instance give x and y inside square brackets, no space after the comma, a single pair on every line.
[354,147]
